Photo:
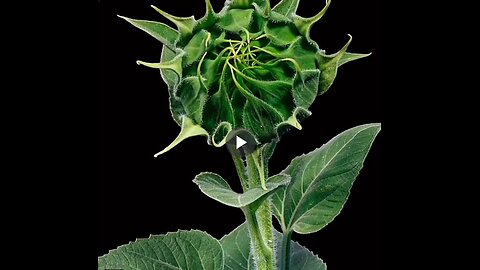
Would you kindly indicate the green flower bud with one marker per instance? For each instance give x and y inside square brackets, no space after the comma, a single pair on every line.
[248,66]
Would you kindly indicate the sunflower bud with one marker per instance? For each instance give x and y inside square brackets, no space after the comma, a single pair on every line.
[248,66]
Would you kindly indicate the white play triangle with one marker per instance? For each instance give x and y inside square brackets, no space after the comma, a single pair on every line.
[239,142]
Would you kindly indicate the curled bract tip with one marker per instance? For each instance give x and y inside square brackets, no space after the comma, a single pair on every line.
[219,136]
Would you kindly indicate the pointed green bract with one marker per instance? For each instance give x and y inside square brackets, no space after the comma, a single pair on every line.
[321,181]
[329,65]
[208,9]
[189,129]
[184,24]
[249,66]
[305,24]
[174,64]
[160,31]
[182,250]
[209,19]
[348,57]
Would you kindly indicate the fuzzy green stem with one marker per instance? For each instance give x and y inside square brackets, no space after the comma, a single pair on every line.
[285,255]
[263,214]
[264,219]
[262,252]
[240,167]
[259,220]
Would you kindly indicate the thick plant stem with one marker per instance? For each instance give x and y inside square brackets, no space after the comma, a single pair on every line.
[262,253]
[285,252]
[263,214]
[264,220]
[259,217]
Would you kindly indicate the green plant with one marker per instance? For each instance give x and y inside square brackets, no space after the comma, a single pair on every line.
[270,72]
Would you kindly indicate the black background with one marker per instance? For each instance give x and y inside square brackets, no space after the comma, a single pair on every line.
[138,195]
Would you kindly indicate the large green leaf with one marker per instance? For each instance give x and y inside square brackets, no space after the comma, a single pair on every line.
[182,250]
[215,187]
[321,181]
[236,248]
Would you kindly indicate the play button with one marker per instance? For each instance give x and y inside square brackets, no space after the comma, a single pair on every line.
[241,141]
